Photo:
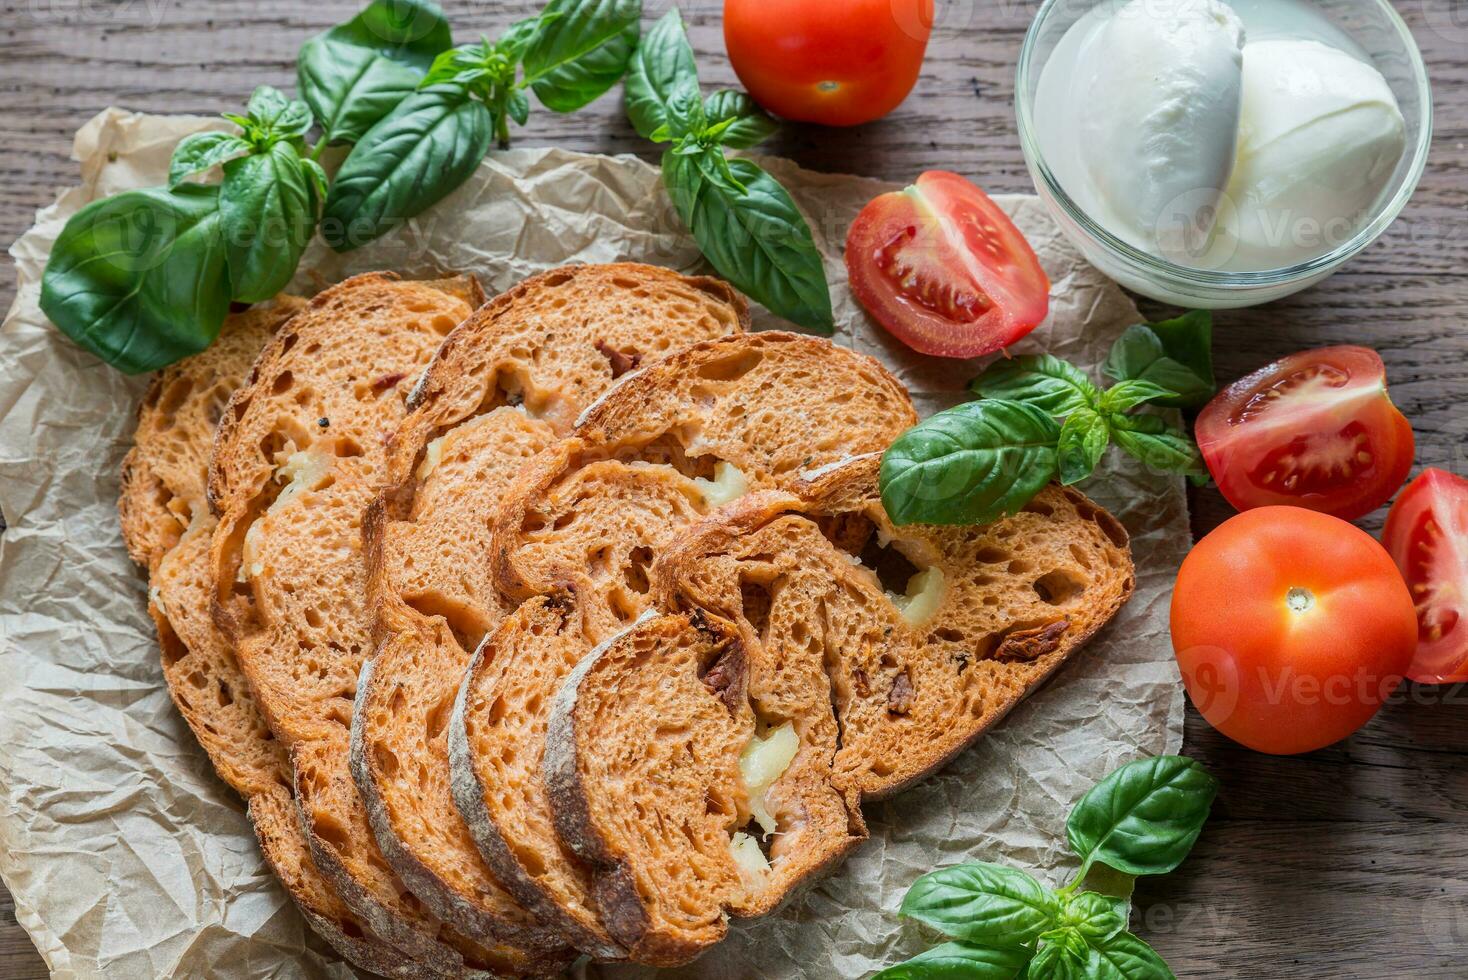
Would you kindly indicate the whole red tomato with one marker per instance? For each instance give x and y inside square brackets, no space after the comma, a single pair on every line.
[837,64]
[1291,628]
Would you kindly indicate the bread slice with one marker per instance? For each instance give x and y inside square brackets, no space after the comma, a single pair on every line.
[167,526]
[929,635]
[299,454]
[634,746]
[584,525]
[504,385]
[647,758]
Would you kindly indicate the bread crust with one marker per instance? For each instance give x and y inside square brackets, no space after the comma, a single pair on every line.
[469,793]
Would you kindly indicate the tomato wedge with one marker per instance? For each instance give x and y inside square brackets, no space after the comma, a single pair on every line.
[1427,535]
[1314,430]
[944,270]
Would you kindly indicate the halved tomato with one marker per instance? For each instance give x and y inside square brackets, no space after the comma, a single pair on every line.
[1314,430]
[944,269]
[1427,535]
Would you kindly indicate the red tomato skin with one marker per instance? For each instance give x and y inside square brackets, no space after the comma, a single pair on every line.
[1274,679]
[1235,451]
[1443,496]
[784,50]
[962,245]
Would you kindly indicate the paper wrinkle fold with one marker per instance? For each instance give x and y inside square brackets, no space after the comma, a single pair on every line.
[128,858]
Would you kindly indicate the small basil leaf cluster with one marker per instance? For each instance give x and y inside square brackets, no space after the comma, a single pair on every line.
[1143,819]
[145,278]
[1041,419]
[435,137]
[745,223]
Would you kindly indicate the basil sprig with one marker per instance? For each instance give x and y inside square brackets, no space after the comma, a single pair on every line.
[1142,819]
[433,139]
[145,278]
[1041,418]
[745,223]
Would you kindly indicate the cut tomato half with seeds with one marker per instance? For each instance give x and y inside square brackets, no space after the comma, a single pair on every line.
[1427,535]
[944,270]
[1314,430]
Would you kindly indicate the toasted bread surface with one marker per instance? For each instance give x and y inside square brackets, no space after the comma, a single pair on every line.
[299,455]
[168,528]
[500,389]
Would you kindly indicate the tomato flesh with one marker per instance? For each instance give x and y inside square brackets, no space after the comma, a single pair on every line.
[1427,535]
[806,61]
[1316,429]
[944,270]
[1291,628]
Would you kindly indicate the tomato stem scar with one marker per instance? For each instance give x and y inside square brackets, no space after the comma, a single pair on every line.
[1300,600]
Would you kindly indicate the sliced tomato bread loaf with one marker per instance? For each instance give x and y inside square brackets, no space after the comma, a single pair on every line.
[583,527]
[503,386]
[910,677]
[167,526]
[300,453]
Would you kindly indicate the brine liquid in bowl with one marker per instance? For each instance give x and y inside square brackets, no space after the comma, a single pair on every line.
[1231,137]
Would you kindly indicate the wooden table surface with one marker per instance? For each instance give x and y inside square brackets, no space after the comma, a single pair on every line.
[1350,862]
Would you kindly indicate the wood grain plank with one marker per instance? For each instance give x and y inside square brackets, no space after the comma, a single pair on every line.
[1349,862]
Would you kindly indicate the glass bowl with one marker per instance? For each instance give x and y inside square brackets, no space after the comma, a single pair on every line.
[1372,24]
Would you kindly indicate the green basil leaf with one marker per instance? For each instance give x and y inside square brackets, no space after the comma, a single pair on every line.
[517,36]
[983,903]
[580,50]
[1044,380]
[354,74]
[200,151]
[464,65]
[278,116]
[1084,437]
[518,107]
[752,233]
[267,217]
[1160,446]
[1115,886]
[413,158]
[316,174]
[1126,395]
[139,278]
[1125,957]
[744,123]
[1063,955]
[661,70]
[960,961]
[1144,818]
[969,465]
[1096,918]
[1176,354]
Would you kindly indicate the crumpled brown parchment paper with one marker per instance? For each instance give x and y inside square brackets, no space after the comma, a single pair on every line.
[127,858]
